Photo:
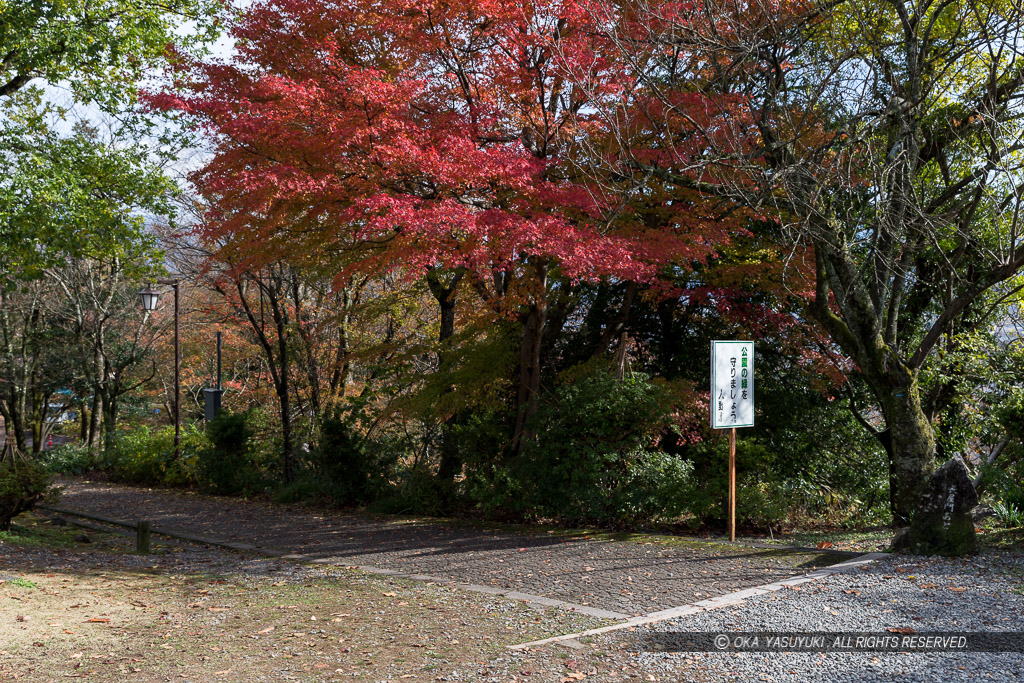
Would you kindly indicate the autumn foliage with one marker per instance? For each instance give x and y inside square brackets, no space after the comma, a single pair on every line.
[420,134]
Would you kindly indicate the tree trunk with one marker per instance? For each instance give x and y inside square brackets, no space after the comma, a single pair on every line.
[84,420]
[912,454]
[14,419]
[40,408]
[95,423]
[529,360]
[286,428]
[445,294]
[109,423]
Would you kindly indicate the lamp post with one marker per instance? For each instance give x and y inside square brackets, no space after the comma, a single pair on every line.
[149,298]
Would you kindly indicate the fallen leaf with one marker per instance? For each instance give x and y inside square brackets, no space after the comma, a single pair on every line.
[957,589]
[825,544]
[904,630]
[97,620]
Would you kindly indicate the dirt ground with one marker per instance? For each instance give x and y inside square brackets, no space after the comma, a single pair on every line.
[76,609]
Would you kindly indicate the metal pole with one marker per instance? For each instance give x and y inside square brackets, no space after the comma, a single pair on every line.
[177,374]
[218,361]
[732,484]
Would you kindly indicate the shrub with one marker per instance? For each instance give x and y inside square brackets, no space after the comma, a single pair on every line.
[415,491]
[69,458]
[225,465]
[142,455]
[589,457]
[1009,515]
[342,464]
[23,484]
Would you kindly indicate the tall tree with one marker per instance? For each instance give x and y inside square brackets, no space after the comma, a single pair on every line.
[429,137]
[887,138]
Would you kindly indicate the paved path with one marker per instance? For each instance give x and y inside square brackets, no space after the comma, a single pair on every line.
[627,577]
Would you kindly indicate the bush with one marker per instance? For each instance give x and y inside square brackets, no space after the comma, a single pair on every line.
[589,457]
[142,455]
[23,484]
[342,465]
[416,491]
[226,465]
[69,458]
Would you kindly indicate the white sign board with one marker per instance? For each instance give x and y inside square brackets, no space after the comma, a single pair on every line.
[732,384]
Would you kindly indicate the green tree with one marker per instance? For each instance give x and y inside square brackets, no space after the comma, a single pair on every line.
[100,48]
[885,138]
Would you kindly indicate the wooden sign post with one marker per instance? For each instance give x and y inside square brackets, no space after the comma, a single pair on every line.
[732,484]
[732,401]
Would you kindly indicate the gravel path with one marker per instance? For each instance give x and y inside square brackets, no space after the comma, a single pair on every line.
[626,577]
[985,593]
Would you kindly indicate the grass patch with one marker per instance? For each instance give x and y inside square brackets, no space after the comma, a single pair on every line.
[1003,539]
[32,530]
[856,540]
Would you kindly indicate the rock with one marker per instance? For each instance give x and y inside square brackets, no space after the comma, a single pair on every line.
[980,513]
[943,524]
[901,541]
[59,521]
[82,538]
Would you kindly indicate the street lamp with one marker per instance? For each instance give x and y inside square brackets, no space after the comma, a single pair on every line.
[149,298]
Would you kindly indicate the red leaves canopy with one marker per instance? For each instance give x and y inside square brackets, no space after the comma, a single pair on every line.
[413,133]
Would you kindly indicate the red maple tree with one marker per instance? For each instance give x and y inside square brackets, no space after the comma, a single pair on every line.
[439,137]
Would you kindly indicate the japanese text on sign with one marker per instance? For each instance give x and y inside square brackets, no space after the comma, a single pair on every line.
[732,384]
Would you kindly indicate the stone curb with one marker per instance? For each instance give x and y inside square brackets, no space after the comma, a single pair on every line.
[285,555]
[508,593]
[711,603]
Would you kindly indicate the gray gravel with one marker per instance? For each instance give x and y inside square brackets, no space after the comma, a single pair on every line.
[625,577]
[923,594]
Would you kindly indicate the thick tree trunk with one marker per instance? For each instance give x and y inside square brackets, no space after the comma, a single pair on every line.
[912,456]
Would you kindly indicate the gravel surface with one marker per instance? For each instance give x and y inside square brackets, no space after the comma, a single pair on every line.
[625,577]
[984,593]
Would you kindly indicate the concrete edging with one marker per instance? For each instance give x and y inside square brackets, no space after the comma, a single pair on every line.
[710,603]
[628,621]
[299,557]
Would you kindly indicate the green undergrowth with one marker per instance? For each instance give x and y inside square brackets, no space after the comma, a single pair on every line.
[30,529]
[867,540]
[1003,539]
[22,583]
